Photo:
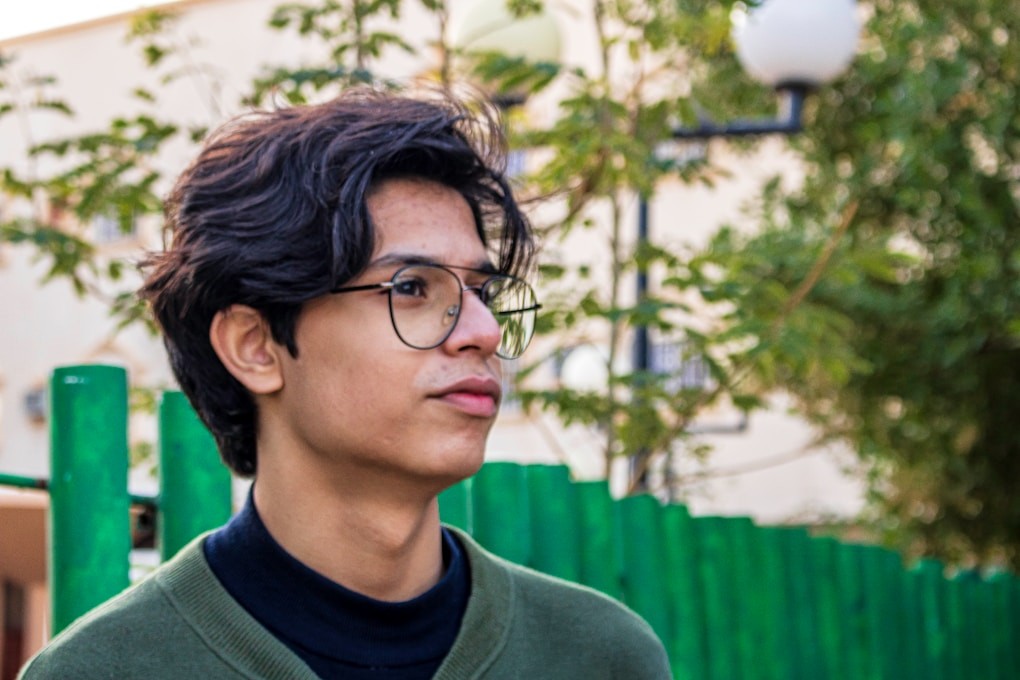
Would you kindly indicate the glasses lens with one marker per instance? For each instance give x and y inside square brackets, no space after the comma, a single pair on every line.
[424,304]
[512,301]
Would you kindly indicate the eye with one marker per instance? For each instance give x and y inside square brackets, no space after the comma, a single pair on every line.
[410,287]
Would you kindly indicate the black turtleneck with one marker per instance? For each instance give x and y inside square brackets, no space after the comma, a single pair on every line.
[339,633]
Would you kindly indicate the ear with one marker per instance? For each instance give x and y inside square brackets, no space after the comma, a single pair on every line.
[242,340]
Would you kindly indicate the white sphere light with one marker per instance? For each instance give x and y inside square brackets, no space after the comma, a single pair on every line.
[488,26]
[585,368]
[801,42]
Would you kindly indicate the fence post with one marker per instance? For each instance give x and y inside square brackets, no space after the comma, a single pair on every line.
[502,521]
[930,576]
[195,489]
[90,526]
[715,572]
[554,539]
[824,551]
[757,641]
[600,564]
[800,588]
[644,562]
[687,649]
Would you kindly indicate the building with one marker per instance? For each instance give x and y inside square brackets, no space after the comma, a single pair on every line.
[765,467]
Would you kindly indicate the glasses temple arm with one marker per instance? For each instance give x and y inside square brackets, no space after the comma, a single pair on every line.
[532,308]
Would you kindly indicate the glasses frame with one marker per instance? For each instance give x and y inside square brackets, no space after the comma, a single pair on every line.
[480,291]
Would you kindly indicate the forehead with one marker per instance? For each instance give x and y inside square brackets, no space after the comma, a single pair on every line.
[424,219]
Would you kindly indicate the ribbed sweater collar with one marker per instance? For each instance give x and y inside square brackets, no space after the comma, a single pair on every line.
[254,652]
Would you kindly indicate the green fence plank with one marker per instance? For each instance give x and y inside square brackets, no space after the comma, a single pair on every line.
[775,565]
[799,579]
[502,521]
[977,616]
[899,646]
[882,633]
[997,624]
[716,574]
[987,624]
[824,552]
[644,563]
[935,633]
[600,564]
[455,505]
[755,639]
[956,624]
[1013,625]
[894,636]
[555,540]
[974,619]
[912,623]
[195,487]
[90,528]
[687,647]
[1013,634]
[853,603]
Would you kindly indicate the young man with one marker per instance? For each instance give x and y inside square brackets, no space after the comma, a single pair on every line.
[341,287]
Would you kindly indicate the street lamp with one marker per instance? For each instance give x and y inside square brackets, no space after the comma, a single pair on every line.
[489,26]
[793,46]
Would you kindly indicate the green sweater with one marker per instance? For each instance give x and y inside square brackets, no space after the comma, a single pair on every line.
[180,623]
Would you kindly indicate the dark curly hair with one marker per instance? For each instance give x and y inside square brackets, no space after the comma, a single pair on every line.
[273,213]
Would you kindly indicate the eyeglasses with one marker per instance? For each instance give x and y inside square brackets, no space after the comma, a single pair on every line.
[426,301]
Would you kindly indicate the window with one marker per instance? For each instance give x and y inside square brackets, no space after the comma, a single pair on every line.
[688,370]
[36,403]
[107,229]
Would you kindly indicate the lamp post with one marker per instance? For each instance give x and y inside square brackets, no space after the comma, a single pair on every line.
[793,46]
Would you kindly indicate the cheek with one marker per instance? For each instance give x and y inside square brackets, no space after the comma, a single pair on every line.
[367,384]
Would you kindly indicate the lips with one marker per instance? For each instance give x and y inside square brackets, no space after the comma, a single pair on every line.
[475,396]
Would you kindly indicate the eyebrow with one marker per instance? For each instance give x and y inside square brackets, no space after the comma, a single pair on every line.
[398,258]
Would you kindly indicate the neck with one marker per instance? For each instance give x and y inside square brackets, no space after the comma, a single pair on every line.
[372,539]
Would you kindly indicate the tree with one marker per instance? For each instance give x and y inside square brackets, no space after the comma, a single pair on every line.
[920,137]
[661,64]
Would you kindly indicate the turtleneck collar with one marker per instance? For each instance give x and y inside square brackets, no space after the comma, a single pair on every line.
[337,631]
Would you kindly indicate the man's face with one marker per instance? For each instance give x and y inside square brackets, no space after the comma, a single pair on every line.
[363,403]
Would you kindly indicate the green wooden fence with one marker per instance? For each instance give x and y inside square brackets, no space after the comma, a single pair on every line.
[732,600]
[89,515]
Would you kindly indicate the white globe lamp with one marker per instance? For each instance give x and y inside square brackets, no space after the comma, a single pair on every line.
[799,43]
[488,26]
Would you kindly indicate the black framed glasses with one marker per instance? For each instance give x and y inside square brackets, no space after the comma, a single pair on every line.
[426,301]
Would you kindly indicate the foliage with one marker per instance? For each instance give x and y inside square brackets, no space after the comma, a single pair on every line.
[922,136]
[661,67]
[350,44]
[110,174]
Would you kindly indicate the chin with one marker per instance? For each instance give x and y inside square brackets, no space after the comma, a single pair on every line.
[450,467]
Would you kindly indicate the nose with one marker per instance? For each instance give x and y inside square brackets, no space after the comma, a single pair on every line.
[476,329]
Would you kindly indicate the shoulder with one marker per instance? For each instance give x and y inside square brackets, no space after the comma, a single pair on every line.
[567,626]
[583,618]
[135,634]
